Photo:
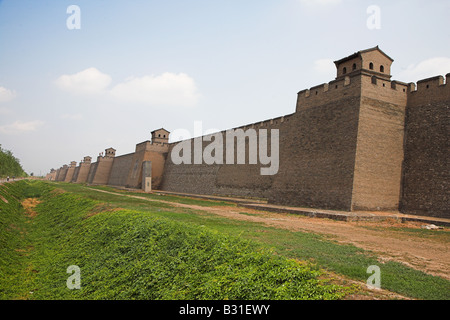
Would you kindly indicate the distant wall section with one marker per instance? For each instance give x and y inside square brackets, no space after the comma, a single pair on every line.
[119,170]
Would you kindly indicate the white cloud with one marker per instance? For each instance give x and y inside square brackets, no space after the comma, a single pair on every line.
[325,66]
[425,69]
[6,94]
[89,81]
[166,89]
[20,126]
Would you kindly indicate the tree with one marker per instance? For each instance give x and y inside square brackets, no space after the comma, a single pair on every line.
[10,165]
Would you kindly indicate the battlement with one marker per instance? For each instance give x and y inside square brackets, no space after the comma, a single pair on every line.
[328,92]
[429,90]
[433,82]
[148,145]
[362,83]
[87,160]
[266,123]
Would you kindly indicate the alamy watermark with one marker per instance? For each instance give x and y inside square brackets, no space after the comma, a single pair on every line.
[374,281]
[229,147]
[374,20]
[74,281]
[74,20]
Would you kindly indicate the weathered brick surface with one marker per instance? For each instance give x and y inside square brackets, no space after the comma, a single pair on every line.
[147,151]
[103,170]
[317,156]
[91,173]
[83,172]
[119,170]
[426,172]
[379,153]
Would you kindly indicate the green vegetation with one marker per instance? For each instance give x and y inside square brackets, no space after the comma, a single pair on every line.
[129,254]
[10,165]
[143,248]
[347,260]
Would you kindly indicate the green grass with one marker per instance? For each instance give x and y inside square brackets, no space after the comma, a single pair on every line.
[347,260]
[129,254]
[320,251]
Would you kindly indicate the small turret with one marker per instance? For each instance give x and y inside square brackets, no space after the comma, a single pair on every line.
[160,136]
[371,61]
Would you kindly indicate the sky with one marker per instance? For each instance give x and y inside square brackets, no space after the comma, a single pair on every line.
[77,77]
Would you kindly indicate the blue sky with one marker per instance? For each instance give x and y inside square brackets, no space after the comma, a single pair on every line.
[135,66]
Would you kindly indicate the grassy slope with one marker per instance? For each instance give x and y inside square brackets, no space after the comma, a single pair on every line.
[347,260]
[130,254]
[343,259]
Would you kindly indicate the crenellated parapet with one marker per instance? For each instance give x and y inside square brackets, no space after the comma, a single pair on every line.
[429,90]
[347,86]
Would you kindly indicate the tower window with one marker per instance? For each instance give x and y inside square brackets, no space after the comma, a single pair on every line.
[371,66]
[344,71]
[354,66]
[374,80]
[381,68]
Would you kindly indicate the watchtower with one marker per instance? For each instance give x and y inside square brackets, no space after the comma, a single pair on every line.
[110,153]
[372,61]
[160,136]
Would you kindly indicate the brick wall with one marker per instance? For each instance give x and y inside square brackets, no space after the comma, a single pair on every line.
[243,180]
[119,170]
[75,174]
[83,173]
[69,174]
[91,173]
[317,156]
[426,172]
[147,151]
[102,171]
[379,152]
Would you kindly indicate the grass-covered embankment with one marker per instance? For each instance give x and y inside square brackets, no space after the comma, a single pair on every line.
[128,254]
[342,259]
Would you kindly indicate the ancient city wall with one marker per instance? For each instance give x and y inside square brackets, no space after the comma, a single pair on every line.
[70,172]
[147,151]
[317,153]
[426,171]
[242,180]
[379,151]
[75,174]
[91,173]
[360,142]
[119,170]
[83,172]
[102,170]
[62,173]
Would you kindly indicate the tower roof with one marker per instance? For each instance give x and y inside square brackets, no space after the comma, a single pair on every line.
[160,130]
[360,53]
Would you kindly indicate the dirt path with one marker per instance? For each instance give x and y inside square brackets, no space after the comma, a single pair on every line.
[425,253]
